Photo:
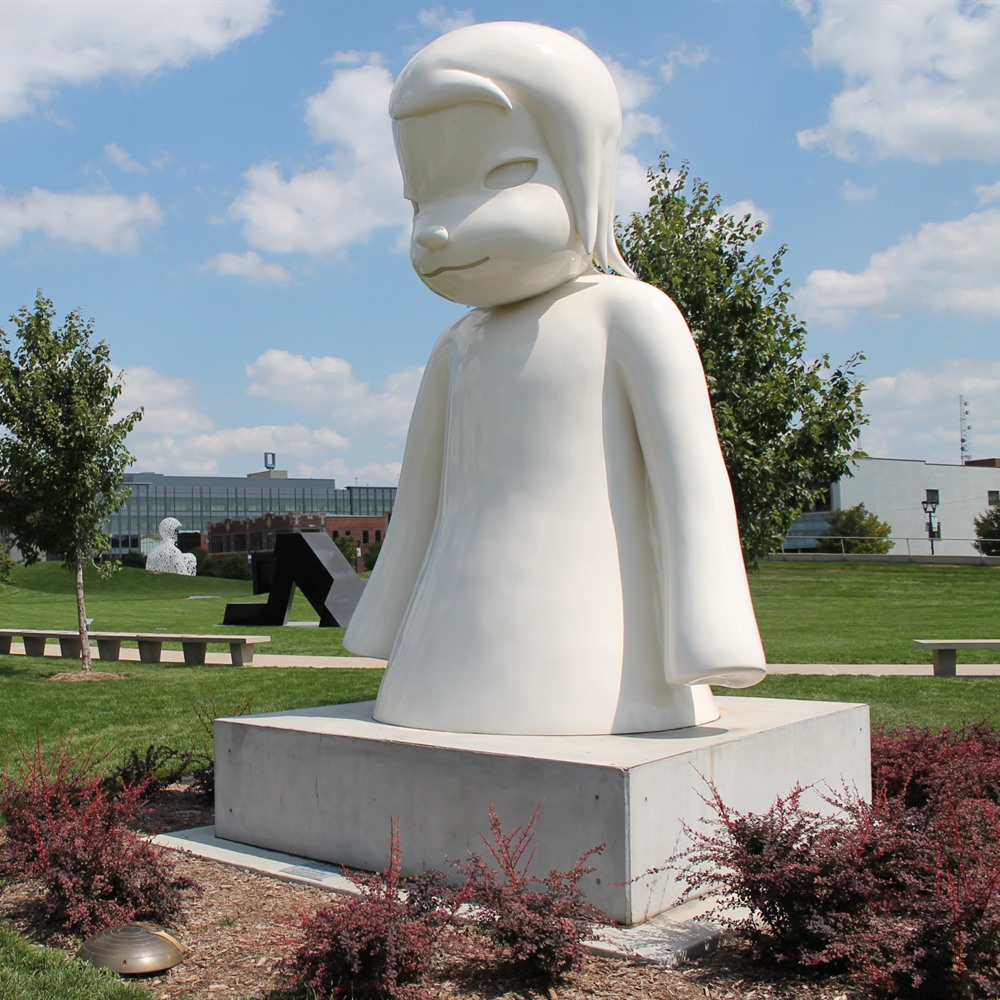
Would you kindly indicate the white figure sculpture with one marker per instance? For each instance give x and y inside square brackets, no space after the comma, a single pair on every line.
[564,556]
[166,557]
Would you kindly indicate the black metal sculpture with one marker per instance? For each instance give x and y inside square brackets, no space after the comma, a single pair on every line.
[311,562]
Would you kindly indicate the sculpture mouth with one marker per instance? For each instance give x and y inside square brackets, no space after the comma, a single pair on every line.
[454,267]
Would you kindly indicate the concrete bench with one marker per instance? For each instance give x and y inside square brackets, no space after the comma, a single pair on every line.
[109,644]
[34,641]
[945,651]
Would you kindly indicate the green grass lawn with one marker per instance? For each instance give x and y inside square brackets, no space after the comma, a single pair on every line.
[808,612]
[872,612]
[30,972]
[133,600]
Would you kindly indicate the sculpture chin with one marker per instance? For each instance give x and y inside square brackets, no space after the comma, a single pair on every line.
[497,280]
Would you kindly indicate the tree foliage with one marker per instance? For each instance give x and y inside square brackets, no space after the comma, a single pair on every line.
[348,545]
[856,530]
[371,555]
[988,531]
[62,452]
[788,425]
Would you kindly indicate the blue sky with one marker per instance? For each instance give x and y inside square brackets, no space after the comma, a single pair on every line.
[214,183]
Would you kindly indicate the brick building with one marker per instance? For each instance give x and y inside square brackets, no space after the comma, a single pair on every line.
[257,534]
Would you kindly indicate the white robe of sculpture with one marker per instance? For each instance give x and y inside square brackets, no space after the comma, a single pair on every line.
[166,557]
[564,556]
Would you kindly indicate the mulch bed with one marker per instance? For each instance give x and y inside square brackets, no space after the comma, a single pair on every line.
[238,924]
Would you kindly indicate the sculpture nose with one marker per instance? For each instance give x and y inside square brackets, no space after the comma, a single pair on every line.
[432,237]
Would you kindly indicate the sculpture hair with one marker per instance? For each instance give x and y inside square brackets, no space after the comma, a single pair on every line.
[562,84]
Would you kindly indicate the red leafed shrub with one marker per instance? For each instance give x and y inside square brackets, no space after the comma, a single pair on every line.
[539,923]
[68,832]
[807,880]
[919,767]
[379,944]
[903,891]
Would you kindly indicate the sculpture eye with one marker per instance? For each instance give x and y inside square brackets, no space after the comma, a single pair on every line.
[511,174]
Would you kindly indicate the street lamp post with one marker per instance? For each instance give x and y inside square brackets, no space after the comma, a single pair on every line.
[930,509]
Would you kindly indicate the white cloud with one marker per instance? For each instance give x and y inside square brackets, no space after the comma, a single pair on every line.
[633,190]
[854,193]
[914,412]
[921,79]
[634,87]
[169,404]
[119,158]
[986,193]
[327,385]
[309,383]
[636,124]
[208,452]
[103,220]
[943,267]
[440,19]
[177,435]
[355,192]
[684,56]
[249,265]
[386,412]
[44,46]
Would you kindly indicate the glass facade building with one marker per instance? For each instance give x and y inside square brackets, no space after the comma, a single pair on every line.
[197,501]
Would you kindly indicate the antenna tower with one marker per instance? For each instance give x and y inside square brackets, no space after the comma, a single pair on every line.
[964,427]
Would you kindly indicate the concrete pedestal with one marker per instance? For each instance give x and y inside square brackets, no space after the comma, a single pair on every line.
[327,782]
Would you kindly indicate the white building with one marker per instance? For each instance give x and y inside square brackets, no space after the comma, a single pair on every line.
[895,490]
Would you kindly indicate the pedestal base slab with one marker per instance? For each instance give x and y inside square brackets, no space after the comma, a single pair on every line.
[326,783]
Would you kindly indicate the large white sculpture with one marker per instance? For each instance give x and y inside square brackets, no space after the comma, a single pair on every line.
[166,557]
[564,556]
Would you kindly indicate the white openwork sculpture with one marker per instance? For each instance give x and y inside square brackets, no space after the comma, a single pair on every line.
[564,556]
[166,557]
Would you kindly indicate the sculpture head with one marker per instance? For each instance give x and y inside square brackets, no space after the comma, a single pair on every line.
[169,527]
[508,136]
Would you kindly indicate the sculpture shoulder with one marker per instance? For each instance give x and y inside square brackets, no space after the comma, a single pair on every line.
[634,311]
[626,298]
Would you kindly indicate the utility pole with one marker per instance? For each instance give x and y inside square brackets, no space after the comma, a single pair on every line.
[963,428]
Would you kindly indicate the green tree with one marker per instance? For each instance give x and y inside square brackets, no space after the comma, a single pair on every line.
[988,531]
[855,530]
[788,425]
[62,452]
[371,555]
[348,544]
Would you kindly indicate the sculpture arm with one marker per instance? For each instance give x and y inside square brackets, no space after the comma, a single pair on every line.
[379,614]
[709,629]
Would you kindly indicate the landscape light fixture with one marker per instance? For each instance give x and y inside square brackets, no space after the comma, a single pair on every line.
[930,508]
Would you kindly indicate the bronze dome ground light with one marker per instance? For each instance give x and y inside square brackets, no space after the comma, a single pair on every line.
[132,950]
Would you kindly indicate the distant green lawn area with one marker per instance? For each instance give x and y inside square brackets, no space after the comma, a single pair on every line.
[808,613]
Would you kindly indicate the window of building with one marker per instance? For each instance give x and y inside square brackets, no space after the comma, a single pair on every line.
[993,496]
[378,536]
[933,496]
[364,537]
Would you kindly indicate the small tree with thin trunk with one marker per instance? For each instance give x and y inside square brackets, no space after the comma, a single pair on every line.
[62,452]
